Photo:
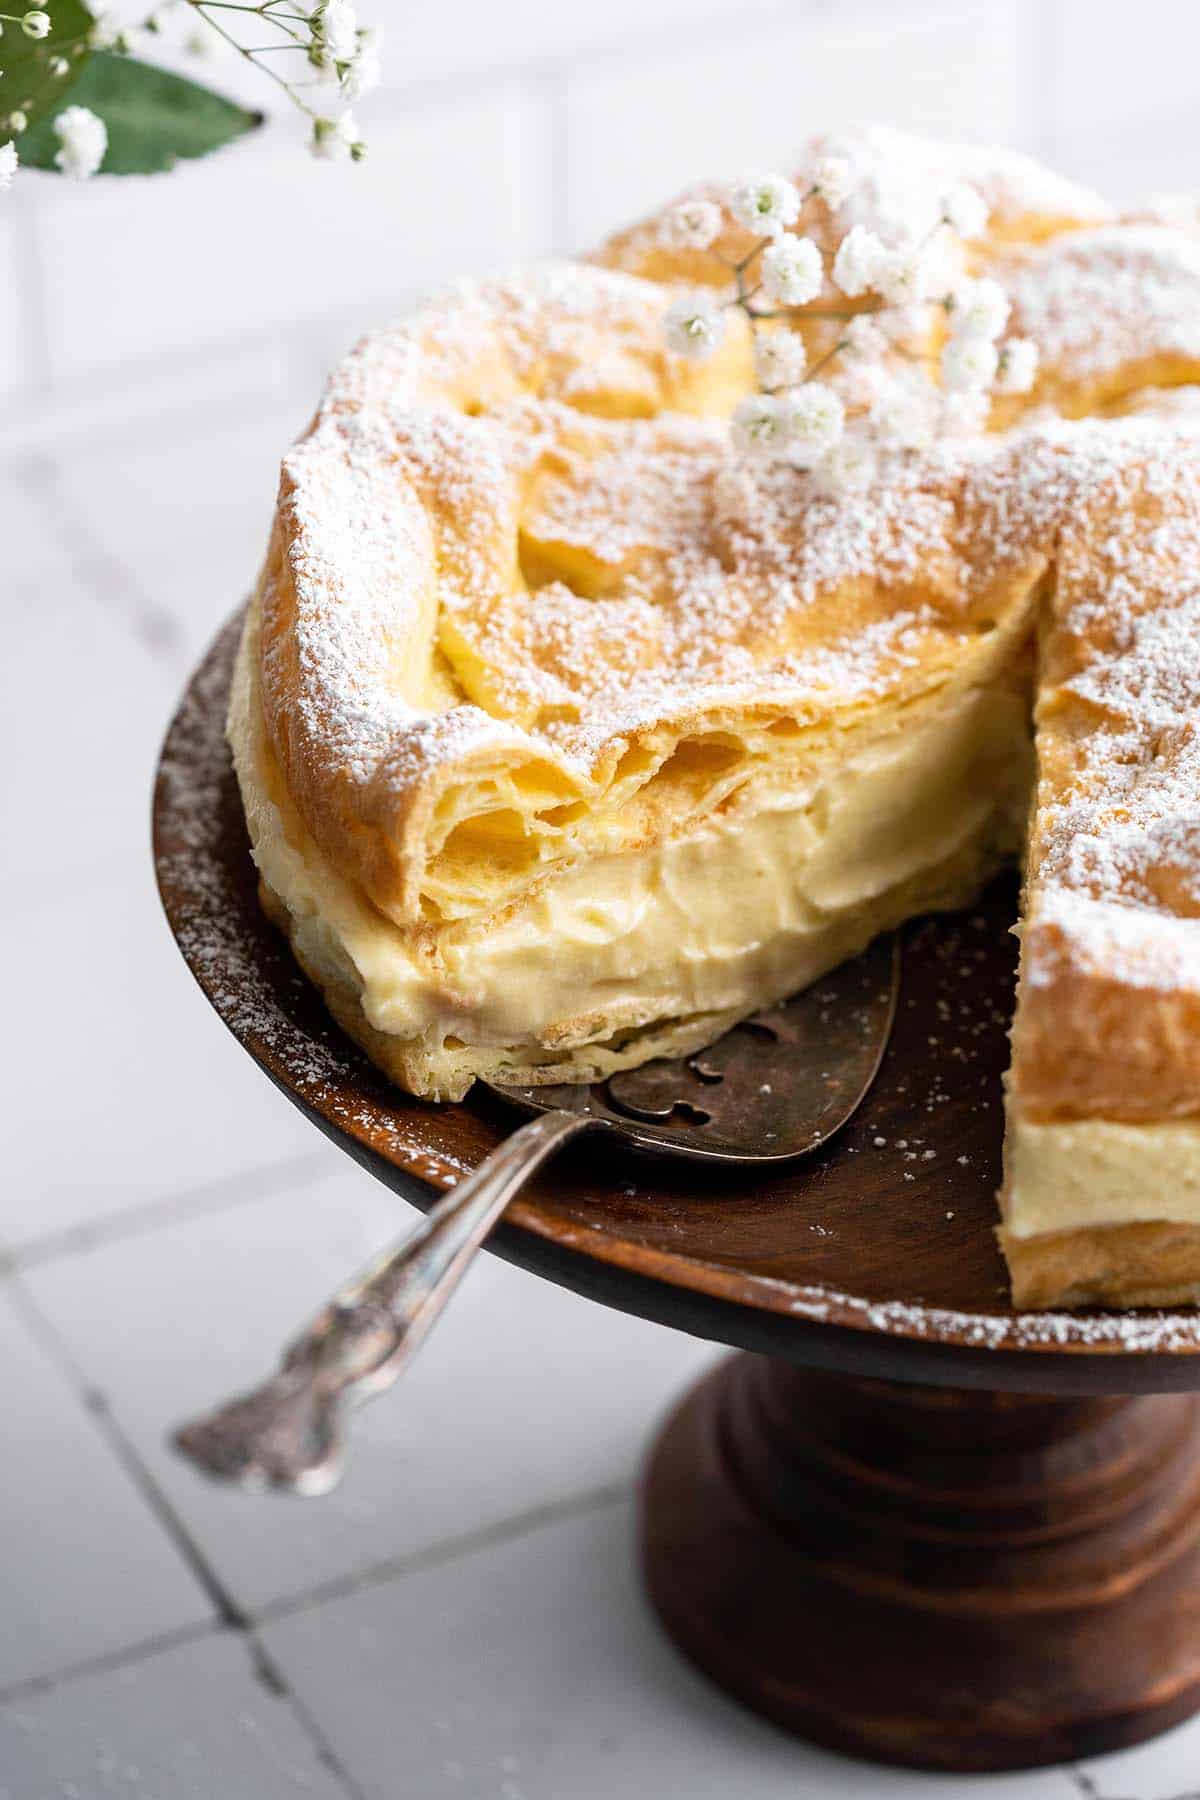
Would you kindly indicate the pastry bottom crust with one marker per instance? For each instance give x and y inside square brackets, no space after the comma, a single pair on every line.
[1151,1263]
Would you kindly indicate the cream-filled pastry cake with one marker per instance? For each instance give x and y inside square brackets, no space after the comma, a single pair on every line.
[569,733]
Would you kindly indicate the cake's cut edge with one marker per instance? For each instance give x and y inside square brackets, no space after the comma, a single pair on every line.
[918,823]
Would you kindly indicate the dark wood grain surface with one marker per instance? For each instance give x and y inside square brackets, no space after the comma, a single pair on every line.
[946,1580]
[877,1255]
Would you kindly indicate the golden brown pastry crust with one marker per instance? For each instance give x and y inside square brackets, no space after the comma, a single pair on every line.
[504,634]
[1111,309]
[1155,1264]
[1109,1018]
[1089,1044]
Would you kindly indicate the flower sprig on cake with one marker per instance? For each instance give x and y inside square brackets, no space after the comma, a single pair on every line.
[127,116]
[914,346]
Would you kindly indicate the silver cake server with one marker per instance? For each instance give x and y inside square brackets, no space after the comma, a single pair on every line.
[774,1088]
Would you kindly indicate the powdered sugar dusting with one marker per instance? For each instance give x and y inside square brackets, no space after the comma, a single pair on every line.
[1138,949]
[899,176]
[1095,301]
[1141,1333]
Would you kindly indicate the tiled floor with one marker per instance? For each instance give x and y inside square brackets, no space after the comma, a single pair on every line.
[461,1619]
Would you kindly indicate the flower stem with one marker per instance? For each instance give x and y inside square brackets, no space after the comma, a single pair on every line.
[230,6]
[202,7]
[828,357]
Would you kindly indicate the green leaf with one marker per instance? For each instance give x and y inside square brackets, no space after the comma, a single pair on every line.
[153,117]
[26,84]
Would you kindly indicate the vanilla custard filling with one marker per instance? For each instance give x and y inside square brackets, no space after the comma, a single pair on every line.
[724,919]
[1067,1174]
[721,921]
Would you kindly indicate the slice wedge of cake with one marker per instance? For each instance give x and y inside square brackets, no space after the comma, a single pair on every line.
[1102,1191]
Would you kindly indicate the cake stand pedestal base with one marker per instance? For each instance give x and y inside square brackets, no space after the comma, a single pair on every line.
[932,1577]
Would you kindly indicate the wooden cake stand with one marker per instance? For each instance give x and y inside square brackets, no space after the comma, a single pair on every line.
[913,1523]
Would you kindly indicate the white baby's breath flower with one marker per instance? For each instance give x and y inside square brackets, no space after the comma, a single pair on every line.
[366,70]
[765,204]
[83,139]
[965,210]
[833,179]
[759,426]
[857,262]
[815,420]
[692,225]
[1018,366]
[905,277]
[8,165]
[905,415]
[964,413]
[693,326]
[863,383]
[779,358]
[202,40]
[848,467]
[863,337]
[979,309]
[336,27]
[904,325]
[333,139]
[792,271]
[969,362]
[36,24]
[106,29]
[326,73]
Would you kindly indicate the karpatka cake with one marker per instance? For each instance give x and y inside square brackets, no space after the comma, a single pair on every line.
[571,727]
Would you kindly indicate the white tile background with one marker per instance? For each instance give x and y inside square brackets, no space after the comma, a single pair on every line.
[461,1619]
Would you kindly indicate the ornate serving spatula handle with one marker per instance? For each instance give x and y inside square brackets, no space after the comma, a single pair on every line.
[289,1433]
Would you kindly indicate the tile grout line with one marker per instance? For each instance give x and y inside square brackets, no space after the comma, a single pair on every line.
[129,1656]
[155,627]
[226,1608]
[276,1682]
[447,1551]
[132,1656]
[225,1194]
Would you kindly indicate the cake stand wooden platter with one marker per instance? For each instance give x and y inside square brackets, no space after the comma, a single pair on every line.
[910,1523]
